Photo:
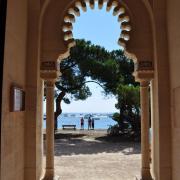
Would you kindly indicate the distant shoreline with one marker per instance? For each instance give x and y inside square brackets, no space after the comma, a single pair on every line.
[93,113]
[81,130]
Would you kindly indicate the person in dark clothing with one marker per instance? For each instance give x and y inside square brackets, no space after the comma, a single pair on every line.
[92,123]
[89,123]
[82,123]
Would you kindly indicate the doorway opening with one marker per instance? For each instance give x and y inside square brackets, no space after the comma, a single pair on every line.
[75,69]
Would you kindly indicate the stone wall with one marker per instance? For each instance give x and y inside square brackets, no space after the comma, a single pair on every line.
[14,73]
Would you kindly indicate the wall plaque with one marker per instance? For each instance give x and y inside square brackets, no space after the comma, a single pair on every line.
[17,99]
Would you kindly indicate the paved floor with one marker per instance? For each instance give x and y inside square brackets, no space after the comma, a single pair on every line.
[91,156]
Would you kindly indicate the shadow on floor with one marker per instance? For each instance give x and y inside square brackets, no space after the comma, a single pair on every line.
[83,144]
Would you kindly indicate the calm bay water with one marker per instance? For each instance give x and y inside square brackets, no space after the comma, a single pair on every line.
[103,122]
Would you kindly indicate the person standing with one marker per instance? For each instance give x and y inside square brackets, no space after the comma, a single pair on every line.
[82,123]
[89,123]
[92,123]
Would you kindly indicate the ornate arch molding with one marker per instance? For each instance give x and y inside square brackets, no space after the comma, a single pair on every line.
[57,19]
[142,38]
[118,10]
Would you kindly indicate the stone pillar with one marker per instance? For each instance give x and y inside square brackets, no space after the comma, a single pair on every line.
[49,73]
[145,144]
[49,130]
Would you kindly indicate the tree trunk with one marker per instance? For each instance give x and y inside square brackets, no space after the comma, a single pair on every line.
[121,122]
[58,108]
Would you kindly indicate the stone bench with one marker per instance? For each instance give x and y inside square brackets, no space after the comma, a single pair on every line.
[68,126]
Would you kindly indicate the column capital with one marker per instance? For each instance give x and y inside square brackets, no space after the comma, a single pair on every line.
[143,75]
[50,75]
[144,83]
[50,70]
[50,83]
[144,70]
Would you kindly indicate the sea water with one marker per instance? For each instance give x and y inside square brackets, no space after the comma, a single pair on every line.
[100,122]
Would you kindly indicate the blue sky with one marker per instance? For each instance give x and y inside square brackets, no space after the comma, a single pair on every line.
[101,28]
[98,26]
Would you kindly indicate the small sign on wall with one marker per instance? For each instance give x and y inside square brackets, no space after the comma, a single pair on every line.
[17,99]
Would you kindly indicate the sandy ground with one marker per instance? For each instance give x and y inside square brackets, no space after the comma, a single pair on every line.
[83,155]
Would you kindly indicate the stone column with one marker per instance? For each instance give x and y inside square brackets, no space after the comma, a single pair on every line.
[145,144]
[49,73]
[49,130]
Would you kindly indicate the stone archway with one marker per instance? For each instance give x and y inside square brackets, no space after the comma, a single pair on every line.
[55,43]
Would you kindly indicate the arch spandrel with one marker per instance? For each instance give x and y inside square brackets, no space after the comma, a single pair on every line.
[141,36]
[52,40]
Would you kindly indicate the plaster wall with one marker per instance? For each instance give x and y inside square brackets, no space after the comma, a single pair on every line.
[12,153]
[174,57]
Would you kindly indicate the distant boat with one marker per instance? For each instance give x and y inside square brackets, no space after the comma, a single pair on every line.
[86,116]
[95,117]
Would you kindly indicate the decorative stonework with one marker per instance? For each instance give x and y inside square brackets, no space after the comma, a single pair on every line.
[143,71]
[118,10]
[49,84]
[50,66]
[50,70]
[144,65]
[144,84]
[143,75]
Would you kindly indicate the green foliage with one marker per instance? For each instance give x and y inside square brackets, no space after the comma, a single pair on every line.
[116,117]
[129,96]
[111,70]
[113,130]
[128,119]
